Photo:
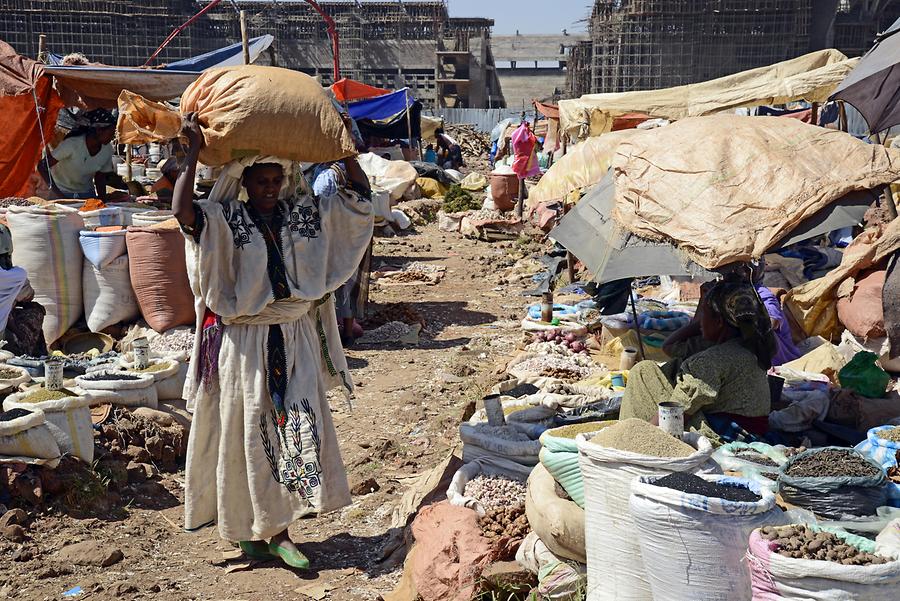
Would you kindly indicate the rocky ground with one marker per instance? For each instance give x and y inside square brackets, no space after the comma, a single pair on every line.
[124,517]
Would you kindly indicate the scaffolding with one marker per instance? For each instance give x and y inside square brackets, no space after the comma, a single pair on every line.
[651,44]
[855,28]
[578,69]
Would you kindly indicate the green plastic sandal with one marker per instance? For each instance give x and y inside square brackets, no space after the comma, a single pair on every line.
[256,549]
[294,559]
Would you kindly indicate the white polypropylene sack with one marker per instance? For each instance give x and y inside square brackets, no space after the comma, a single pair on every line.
[150,218]
[100,248]
[45,244]
[28,436]
[488,466]
[478,442]
[69,420]
[13,383]
[129,393]
[103,217]
[108,296]
[393,176]
[779,578]
[169,381]
[694,546]
[615,566]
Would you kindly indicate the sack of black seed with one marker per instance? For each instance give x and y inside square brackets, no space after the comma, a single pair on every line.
[833,482]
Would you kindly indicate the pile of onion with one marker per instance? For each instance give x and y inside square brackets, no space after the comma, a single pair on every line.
[570,340]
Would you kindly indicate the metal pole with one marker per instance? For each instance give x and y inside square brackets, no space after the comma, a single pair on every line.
[245,39]
[408,118]
[637,326]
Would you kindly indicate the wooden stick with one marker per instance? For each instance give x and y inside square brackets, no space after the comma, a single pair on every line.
[128,155]
[42,48]
[637,327]
[245,39]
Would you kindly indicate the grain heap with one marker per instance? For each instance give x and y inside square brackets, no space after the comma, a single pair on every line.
[576,366]
[830,463]
[12,201]
[637,436]
[110,376]
[178,340]
[42,394]
[153,367]
[757,458]
[576,429]
[892,434]
[800,542]
[9,374]
[8,416]
[696,485]
[495,491]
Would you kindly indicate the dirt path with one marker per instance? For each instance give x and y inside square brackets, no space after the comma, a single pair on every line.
[406,414]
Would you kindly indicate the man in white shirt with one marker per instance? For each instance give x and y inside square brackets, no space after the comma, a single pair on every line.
[80,163]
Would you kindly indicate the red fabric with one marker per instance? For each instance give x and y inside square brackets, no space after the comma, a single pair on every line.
[21,83]
[804,116]
[347,90]
[629,121]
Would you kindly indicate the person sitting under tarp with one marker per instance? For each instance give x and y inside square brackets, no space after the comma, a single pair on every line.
[79,165]
[21,319]
[449,151]
[719,369]
[785,351]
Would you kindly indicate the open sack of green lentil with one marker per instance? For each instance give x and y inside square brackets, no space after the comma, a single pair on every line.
[25,437]
[795,562]
[121,387]
[68,416]
[882,445]
[833,482]
[559,455]
[516,442]
[168,374]
[610,461]
[693,533]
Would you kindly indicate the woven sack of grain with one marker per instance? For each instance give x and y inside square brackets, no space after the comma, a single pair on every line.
[13,382]
[108,296]
[28,437]
[245,111]
[150,218]
[694,545]
[615,566]
[168,374]
[488,466]
[159,276]
[516,442]
[100,248]
[137,392]
[558,522]
[69,420]
[45,244]
[103,217]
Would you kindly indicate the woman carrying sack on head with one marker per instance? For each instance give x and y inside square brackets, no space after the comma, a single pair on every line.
[263,450]
[721,361]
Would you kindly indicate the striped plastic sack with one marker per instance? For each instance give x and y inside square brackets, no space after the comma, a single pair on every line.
[884,452]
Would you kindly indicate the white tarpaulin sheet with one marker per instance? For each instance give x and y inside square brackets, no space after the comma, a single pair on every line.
[811,77]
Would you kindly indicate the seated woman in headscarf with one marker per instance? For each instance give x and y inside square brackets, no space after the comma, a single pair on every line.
[722,358]
[80,163]
[263,450]
[785,351]
[21,319]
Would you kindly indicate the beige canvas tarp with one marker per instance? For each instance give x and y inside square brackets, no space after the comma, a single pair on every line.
[584,165]
[811,77]
[726,188]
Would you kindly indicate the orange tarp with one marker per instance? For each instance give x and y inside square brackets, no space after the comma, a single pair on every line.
[347,90]
[24,94]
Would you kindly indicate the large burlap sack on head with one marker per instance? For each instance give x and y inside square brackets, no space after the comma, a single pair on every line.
[245,111]
[45,244]
[559,522]
[693,545]
[615,566]
[704,199]
[159,276]
[108,296]
[862,312]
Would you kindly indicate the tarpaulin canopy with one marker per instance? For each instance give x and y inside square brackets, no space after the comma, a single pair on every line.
[612,253]
[873,87]
[551,111]
[382,107]
[348,90]
[812,77]
[28,109]
[396,127]
[726,188]
[95,86]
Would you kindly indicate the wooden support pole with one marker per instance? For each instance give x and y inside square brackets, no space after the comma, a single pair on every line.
[42,48]
[245,39]
[129,153]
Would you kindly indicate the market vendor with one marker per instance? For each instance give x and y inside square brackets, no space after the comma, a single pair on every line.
[719,371]
[263,451]
[165,185]
[786,350]
[21,319]
[79,165]
[450,151]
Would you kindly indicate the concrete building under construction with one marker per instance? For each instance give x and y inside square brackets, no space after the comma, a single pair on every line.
[447,62]
[651,44]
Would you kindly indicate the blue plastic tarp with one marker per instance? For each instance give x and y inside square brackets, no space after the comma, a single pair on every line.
[382,107]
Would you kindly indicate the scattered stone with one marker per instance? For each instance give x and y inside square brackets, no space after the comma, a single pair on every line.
[158,417]
[90,553]
[53,571]
[23,554]
[124,588]
[139,472]
[14,533]
[154,446]
[365,487]
[13,516]
[138,454]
